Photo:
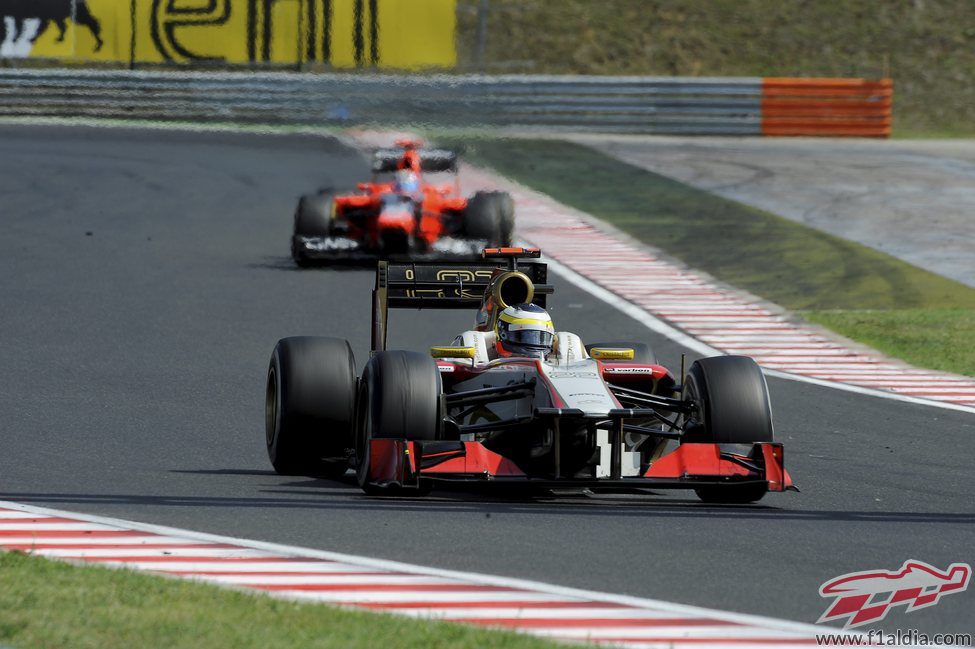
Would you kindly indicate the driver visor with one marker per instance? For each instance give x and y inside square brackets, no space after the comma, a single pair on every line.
[531,338]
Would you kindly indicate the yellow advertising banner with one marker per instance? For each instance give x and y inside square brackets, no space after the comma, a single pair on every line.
[396,34]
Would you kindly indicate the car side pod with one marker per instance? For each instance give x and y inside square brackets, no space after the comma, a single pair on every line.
[707,462]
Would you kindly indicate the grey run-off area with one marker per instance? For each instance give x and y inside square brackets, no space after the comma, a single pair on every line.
[911,199]
[133,386]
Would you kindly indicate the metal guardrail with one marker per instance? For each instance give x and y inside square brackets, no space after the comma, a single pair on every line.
[626,104]
[665,105]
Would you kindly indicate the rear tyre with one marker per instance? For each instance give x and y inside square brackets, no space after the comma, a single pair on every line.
[399,398]
[642,353]
[394,242]
[732,407]
[309,406]
[490,217]
[506,235]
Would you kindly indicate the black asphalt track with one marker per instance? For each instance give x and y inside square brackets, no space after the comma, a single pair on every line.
[144,279]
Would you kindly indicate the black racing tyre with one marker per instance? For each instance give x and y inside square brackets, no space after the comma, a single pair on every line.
[506,205]
[732,407]
[399,398]
[394,242]
[313,216]
[642,353]
[298,256]
[310,406]
[490,217]
[732,400]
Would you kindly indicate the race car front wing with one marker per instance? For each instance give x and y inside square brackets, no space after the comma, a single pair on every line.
[337,249]
[403,463]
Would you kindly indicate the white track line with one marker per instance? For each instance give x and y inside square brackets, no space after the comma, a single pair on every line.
[484,600]
[171,551]
[86,540]
[499,613]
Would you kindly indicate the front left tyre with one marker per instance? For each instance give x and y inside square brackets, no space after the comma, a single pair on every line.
[731,406]
[310,406]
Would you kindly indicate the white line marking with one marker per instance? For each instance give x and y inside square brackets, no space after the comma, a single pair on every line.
[88,540]
[108,553]
[265,566]
[191,566]
[690,631]
[7,515]
[40,528]
[400,597]
[633,311]
[325,579]
[493,613]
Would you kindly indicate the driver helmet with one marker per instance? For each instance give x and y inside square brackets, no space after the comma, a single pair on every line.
[407,182]
[524,330]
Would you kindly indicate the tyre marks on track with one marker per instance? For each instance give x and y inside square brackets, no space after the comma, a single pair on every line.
[402,589]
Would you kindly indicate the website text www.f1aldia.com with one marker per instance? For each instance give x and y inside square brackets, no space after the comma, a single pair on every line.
[897,638]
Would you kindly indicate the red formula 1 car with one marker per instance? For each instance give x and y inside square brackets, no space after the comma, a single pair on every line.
[401,215]
[604,415]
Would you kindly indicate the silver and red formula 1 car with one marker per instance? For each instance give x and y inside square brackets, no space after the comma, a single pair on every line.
[603,415]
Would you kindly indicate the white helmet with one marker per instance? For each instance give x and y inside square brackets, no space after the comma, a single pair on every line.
[524,330]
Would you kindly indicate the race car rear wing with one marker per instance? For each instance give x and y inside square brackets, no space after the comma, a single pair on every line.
[444,285]
[431,160]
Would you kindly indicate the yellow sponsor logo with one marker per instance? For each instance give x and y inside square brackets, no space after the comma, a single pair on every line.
[453,352]
[607,354]
[398,34]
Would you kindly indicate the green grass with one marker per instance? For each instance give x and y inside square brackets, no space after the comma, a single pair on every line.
[941,338]
[927,47]
[52,604]
[793,265]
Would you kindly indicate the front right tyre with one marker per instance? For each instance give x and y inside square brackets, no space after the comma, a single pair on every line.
[490,217]
[310,406]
